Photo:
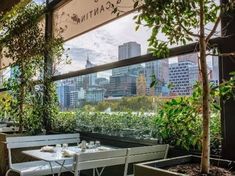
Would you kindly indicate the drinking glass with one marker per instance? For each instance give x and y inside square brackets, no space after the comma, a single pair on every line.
[58,148]
[91,144]
[65,146]
[97,144]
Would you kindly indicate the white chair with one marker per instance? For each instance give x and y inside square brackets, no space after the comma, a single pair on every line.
[146,153]
[37,168]
[99,160]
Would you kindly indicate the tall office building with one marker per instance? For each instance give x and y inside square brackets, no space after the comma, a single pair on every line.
[90,79]
[123,80]
[126,51]
[122,85]
[77,97]
[192,57]
[160,69]
[95,94]
[182,76]
[63,91]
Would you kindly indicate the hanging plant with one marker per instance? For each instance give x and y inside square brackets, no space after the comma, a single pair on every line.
[24,43]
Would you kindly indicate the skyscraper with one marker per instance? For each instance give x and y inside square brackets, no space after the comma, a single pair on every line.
[122,85]
[193,57]
[90,79]
[159,69]
[182,76]
[123,79]
[63,91]
[126,51]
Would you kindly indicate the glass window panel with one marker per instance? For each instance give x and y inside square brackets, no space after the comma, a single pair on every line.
[180,72]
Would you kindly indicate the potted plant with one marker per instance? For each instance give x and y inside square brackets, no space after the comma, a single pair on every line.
[182,22]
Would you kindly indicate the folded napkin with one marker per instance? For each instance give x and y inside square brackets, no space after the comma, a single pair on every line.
[68,153]
[47,149]
[102,148]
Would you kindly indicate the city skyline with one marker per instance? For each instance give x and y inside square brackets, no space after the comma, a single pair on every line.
[132,80]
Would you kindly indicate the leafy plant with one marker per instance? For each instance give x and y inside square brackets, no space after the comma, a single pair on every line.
[64,122]
[23,41]
[5,105]
[179,120]
[182,22]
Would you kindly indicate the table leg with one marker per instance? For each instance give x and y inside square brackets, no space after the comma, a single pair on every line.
[51,169]
[61,168]
[99,173]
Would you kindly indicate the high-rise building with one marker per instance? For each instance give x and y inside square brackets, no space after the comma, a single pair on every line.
[123,80]
[122,85]
[76,97]
[90,79]
[126,51]
[63,91]
[159,69]
[182,76]
[95,94]
[192,57]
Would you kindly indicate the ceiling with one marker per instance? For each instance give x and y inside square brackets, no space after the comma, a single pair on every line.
[6,5]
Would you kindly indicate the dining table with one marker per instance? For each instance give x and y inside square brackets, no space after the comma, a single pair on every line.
[57,156]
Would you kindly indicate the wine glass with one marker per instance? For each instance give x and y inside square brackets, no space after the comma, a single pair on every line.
[97,144]
[65,146]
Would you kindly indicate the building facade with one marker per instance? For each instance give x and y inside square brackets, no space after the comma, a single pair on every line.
[182,76]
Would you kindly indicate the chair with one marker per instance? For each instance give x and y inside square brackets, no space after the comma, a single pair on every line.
[146,153]
[96,160]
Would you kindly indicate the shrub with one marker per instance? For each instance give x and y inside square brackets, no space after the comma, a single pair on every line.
[65,122]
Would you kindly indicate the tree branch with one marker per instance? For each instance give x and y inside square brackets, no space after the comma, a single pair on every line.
[222,54]
[182,26]
[214,28]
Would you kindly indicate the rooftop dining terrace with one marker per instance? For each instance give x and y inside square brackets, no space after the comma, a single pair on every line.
[117,88]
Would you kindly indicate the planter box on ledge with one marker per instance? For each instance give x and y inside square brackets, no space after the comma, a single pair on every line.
[160,167]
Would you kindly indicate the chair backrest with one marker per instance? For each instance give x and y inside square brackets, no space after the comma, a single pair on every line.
[37,141]
[146,153]
[85,161]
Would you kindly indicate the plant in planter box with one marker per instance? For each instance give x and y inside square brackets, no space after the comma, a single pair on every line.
[179,121]
[182,22]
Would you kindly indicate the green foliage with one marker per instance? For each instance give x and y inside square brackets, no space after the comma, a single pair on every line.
[5,104]
[179,121]
[23,41]
[169,126]
[127,104]
[65,122]
[178,21]
[118,124]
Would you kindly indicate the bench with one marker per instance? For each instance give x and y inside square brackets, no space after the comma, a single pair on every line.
[84,161]
[36,168]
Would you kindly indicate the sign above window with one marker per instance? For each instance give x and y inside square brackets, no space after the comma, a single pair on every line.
[79,16]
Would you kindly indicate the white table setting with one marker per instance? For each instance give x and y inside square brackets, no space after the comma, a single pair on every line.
[60,154]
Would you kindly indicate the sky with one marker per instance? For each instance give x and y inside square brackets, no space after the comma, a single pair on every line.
[101,44]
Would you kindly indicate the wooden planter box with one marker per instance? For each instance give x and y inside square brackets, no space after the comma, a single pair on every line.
[159,168]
